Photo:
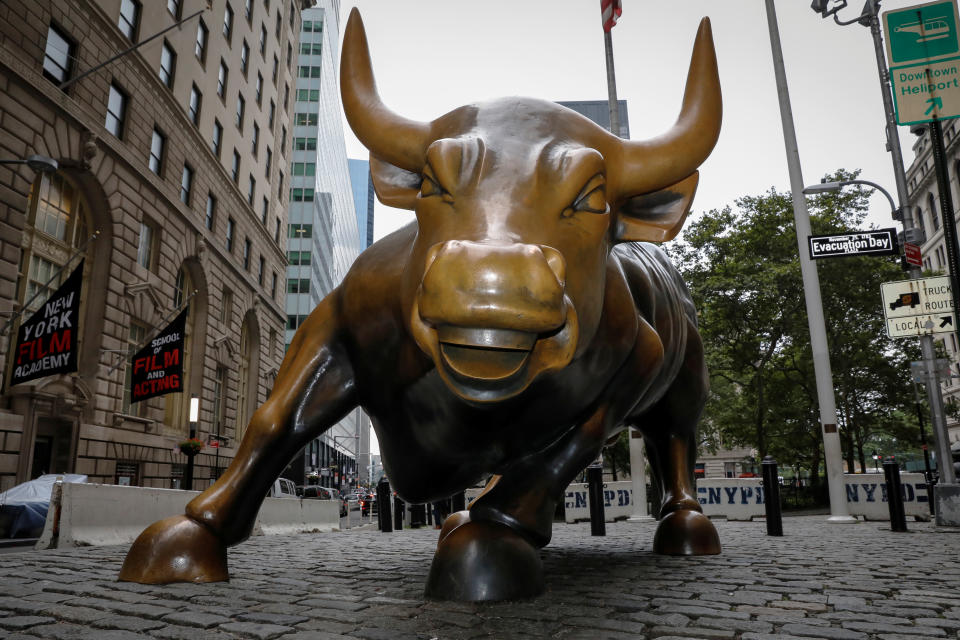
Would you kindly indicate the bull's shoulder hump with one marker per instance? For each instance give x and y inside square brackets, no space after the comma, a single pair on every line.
[653,278]
[374,277]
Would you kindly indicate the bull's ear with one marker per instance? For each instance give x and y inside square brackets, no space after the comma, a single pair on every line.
[395,187]
[657,216]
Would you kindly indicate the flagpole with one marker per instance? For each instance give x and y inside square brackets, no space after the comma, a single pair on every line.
[161,324]
[611,84]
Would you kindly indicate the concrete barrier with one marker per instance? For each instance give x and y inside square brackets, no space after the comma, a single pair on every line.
[617,501]
[867,495]
[101,514]
[732,498]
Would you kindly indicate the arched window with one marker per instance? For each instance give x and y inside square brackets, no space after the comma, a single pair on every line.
[920,224]
[57,227]
[248,371]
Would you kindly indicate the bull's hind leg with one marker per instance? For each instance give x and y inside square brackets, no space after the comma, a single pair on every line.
[314,389]
[669,430]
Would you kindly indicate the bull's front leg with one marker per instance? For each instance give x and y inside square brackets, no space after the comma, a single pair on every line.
[313,390]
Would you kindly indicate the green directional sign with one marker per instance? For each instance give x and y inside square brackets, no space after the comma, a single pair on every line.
[922,33]
[923,51]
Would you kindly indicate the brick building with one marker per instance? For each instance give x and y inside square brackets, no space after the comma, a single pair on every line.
[175,155]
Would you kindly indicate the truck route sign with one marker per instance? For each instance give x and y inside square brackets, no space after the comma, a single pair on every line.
[918,307]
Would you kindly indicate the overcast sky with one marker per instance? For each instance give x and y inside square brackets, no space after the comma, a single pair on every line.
[431,56]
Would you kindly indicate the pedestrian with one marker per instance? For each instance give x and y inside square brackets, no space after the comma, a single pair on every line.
[441,509]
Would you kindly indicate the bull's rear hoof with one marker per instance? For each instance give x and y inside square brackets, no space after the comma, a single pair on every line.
[686,533]
[175,549]
[484,561]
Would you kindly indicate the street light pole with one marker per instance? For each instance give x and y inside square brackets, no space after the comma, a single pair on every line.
[194,417]
[833,459]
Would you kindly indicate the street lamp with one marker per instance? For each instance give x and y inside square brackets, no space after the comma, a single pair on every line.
[40,164]
[827,187]
[194,417]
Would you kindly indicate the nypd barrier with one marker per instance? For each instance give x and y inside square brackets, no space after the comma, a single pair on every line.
[100,514]
[743,498]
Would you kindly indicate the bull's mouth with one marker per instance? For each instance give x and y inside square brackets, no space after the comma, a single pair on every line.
[485,354]
[485,365]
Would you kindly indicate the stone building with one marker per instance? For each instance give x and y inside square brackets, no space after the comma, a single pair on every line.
[924,198]
[174,154]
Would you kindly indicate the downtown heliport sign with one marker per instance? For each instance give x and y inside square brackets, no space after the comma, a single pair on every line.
[923,52]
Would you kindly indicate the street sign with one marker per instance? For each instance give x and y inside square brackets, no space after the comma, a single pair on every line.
[880,242]
[912,253]
[923,52]
[918,307]
[941,368]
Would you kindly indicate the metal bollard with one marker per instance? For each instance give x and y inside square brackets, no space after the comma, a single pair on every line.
[598,527]
[397,513]
[898,518]
[771,497]
[383,506]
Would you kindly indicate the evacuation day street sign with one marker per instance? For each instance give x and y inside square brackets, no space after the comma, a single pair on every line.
[879,242]
[918,307]
[923,52]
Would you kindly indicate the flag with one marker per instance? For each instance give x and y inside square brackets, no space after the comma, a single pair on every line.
[610,10]
[158,367]
[47,341]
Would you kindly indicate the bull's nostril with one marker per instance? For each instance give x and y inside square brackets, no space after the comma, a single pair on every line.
[557,264]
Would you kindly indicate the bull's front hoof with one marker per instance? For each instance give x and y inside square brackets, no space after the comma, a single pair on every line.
[686,533]
[175,549]
[483,561]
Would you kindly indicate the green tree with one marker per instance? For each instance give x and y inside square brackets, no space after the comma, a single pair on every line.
[742,267]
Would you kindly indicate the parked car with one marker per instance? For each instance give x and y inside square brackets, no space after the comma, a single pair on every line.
[313,492]
[282,488]
[23,508]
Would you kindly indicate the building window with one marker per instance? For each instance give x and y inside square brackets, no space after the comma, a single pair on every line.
[301,195]
[235,170]
[308,72]
[289,55]
[168,64]
[248,9]
[304,144]
[280,186]
[211,211]
[277,28]
[934,216]
[58,56]
[129,22]
[299,230]
[241,107]
[157,143]
[276,69]
[273,286]
[246,253]
[228,23]
[308,95]
[244,58]
[286,96]
[222,76]
[147,245]
[258,88]
[230,226]
[174,7]
[186,181]
[298,258]
[264,210]
[260,271]
[255,139]
[136,336]
[919,219]
[219,398]
[226,307]
[196,98]
[276,230]
[293,16]
[306,119]
[304,168]
[263,40]
[273,112]
[116,110]
[201,47]
[283,140]
[251,190]
[217,137]
[267,162]
[298,285]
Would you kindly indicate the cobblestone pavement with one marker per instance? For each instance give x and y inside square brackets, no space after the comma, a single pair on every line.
[818,581]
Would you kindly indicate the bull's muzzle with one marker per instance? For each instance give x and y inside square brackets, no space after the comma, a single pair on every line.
[493,316]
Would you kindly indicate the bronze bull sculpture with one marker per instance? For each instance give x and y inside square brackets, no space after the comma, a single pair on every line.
[520,323]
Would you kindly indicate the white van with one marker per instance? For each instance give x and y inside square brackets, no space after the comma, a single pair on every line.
[282,488]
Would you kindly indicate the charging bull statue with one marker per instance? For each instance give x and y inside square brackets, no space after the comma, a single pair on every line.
[517,326]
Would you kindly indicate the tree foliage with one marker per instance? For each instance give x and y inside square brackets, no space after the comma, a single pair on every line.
[741,264]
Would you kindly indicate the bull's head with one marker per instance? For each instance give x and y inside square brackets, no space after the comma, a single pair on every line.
[518,203]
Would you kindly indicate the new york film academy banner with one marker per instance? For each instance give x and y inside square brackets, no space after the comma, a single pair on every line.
[158,367]
[47,341]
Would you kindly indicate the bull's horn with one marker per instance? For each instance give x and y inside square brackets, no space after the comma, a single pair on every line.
[393,138]
[653,164]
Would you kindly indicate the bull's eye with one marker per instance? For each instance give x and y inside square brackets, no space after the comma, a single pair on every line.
[591,199]
[431,187]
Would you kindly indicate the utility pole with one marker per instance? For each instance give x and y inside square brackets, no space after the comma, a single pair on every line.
[833,459]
